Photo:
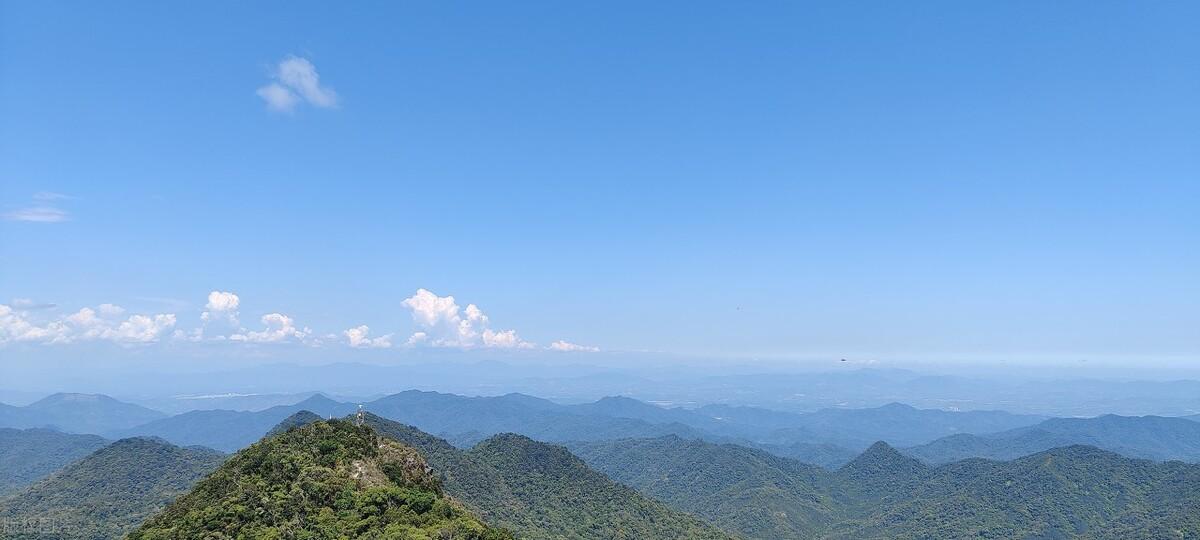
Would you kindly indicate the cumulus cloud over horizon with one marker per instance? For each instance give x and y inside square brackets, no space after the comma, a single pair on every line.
[439,321]
[103,323]
[295,81]
[221,306]
[357,337]
[442,323]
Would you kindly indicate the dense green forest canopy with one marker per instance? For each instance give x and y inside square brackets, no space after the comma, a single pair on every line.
[324,480]
[108,492]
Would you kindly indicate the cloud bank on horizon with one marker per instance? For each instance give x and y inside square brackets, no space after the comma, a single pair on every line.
[440,322]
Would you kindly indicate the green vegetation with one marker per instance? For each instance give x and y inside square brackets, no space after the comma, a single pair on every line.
[746,491]
[28,455]
[106,493]
[542,491]
[323,480]
[1074,492]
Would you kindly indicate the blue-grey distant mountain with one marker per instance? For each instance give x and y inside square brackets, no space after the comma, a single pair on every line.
[827,437]
[78,413]
[228,401]
[467,419]
[230,431]
[898,424]
[449,414]
[1148,437]
[28,455]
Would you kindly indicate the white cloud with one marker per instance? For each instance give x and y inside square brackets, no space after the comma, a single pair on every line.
[143,328]
[278,98]
[83,325]
[111,310]
[50,196]
[221,306]
[442,323]
[279,328]
[358,338]
[418,338]
[38,214]
[566,346]
[505,339]
[295,81]
[27,304]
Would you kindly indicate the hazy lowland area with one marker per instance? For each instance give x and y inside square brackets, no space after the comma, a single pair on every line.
[620,270]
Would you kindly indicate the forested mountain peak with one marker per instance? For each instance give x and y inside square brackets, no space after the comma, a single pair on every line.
[326,479]
[300,419]
[882,459]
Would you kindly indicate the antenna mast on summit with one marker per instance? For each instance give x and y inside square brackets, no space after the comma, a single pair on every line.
[360,417]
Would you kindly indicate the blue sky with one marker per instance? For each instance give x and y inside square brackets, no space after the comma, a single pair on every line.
[961,181]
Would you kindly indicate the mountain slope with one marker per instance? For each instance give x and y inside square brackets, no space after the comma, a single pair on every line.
[78,413]
[570,491]
[542,491]
[108,492]
[750,492]
[1147,437]
[28,455]
[321,480]
[1073,492]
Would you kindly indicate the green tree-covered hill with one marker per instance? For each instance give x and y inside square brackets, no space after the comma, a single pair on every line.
[324,480]
[106,493]
[1076,492]
[542,491]
[28,455]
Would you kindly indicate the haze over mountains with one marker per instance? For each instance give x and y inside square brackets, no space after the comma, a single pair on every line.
[534,467]
[77,413]
[828,437]
[790,389]
[686,488]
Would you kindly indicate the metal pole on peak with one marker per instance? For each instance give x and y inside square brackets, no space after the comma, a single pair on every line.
[359,418]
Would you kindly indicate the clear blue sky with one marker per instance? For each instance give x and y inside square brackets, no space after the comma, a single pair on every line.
[959,180]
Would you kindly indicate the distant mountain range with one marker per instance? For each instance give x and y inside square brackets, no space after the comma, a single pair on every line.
[679,488]
[829,437]
[833,385]
[230,431]
[1150,437]
[77,413]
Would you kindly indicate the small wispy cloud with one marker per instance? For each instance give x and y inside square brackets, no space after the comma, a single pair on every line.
[41,211]
[28,304]
[38,214]
[50,196]
[296,81]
